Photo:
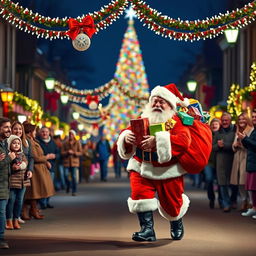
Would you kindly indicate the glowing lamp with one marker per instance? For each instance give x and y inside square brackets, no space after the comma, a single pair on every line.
[49,83]
[64,99]
[75,115]
[191,84]
[231,35]
[22,118]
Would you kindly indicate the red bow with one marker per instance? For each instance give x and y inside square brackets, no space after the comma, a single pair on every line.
[75,27]
[91,98]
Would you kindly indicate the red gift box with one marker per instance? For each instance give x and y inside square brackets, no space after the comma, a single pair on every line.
[139,128]
[193,111]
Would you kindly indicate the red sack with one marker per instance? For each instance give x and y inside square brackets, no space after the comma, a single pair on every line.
[197,155]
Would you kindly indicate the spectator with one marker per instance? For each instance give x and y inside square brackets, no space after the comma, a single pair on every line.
[103,153]
[19,179]
[49,148]
[117,161]
[71,151]
[210,169]
[87,155]
[5,160]
[59,164]
[249,142]
[222,145]
[41,182]
[238,173]
[18,129]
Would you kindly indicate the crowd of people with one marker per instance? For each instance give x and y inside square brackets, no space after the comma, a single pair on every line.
[230,175]
[35,164]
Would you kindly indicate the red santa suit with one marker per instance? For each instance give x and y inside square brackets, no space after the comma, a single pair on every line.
[158,171]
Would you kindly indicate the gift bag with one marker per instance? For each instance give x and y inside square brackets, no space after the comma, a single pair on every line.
[196,157]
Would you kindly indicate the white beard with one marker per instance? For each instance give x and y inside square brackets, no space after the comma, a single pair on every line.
[156,117]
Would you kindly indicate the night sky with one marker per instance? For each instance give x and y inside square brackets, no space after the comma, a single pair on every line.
[165,60]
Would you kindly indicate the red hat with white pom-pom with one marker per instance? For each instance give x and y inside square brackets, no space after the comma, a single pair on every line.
[171,94]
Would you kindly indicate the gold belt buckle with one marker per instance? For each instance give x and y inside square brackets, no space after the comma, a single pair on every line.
[143,157]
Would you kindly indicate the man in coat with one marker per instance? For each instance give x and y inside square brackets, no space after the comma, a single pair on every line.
[5,160]
[154,165]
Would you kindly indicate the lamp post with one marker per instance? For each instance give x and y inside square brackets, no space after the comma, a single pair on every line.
[64,99]
[6,97]
[192,84]
[231,35]
[75,115]
[49,83]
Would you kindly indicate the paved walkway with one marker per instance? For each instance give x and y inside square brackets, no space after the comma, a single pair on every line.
[97,222]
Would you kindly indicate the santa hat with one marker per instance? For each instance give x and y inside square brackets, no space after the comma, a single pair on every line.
[73,132]
[11,139]
[171,94]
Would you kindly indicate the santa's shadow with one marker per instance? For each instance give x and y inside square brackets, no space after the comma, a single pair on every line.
[40,245]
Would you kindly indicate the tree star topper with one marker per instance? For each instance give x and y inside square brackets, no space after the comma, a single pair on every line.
[130,13]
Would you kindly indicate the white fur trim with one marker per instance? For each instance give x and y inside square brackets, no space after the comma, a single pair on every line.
[23,166]
[183,209]
[142,205]
[164,93]
[121,146]
[163,146]
[147,170]
[185,102]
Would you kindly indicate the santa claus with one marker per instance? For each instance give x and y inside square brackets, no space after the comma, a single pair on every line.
[154,165]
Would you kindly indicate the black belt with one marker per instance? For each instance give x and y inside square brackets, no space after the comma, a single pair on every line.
[146,156]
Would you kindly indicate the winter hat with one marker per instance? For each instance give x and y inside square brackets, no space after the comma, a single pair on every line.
[171,94]
[73,132]
[11,139]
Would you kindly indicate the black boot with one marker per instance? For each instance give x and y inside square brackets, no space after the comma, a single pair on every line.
[177,230]
[147,232]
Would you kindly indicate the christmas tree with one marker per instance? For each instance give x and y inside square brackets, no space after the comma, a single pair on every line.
[131,76]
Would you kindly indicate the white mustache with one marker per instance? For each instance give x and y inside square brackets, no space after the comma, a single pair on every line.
[157,109]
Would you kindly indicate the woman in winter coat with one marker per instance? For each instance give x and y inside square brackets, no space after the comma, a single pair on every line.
[41,182]
[18,130]
[238,173]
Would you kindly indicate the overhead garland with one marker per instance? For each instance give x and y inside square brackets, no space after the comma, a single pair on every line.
[163,25]
[80,96]
[24,18]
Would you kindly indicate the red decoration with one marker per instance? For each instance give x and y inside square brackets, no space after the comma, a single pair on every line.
[51,99]
[75,27]
[209,94]
[92,101]
[253,101]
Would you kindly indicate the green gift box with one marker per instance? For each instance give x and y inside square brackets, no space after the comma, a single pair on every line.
[185,118]
[153,128]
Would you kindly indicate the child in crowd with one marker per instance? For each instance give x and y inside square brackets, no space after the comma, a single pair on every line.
[18,182]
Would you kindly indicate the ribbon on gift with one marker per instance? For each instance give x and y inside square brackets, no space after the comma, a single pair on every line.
[75,27]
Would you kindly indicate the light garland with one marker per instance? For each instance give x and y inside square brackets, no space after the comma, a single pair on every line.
[239,95]
[161,24]
[59,34]
[145,12]
[197,35]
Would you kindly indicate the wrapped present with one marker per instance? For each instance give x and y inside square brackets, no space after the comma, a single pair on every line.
[195,113]
[140,127]
[185,118]
[196,104]
[182,109]
[153,128]
[169,124]
[206,117]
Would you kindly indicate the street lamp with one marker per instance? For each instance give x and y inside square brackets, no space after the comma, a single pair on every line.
[75,115]
[49,83]
[191,84]
[6,97]
[64,98]
[231,35]
[22,118]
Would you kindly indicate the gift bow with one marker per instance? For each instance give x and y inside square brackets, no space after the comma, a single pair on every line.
[91,98]
[75,27]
